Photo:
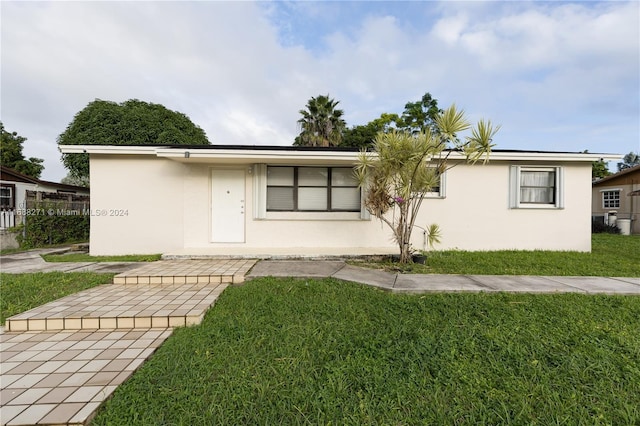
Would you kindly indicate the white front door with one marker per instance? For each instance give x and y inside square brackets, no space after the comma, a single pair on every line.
[227,206]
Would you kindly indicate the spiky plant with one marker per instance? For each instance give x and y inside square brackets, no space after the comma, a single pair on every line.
[403,167]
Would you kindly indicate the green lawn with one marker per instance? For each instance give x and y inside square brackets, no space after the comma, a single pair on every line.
[611,255]
[291,351]
[21,292]
[85,257]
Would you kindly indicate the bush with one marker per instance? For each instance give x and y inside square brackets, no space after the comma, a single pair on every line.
[57,228]
[603,228]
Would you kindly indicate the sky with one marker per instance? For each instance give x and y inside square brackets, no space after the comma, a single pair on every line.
[557,76]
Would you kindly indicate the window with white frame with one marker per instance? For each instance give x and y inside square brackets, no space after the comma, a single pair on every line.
[312,189]
[611,199]
[439,190]
[536,187]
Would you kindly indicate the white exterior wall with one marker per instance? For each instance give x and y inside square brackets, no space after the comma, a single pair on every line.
[150,191]
[280,233]
[169,208]
[475,214]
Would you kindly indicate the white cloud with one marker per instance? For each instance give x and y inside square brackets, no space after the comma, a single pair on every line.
[556,75]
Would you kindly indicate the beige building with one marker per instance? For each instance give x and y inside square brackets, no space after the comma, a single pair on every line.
[291,201]
[616,200]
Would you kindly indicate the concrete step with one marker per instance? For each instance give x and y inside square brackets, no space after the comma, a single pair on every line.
[188,271]
[116,306]
[155,295]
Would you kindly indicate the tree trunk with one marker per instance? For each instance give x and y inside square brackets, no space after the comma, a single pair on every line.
[404,234]
[405,253]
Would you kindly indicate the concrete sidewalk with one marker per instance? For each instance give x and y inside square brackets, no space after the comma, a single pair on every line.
[31,261]
[424,283]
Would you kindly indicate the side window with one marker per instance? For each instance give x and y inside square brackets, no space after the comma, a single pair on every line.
[6,196]
[611,199]
[536,187]
[440,190]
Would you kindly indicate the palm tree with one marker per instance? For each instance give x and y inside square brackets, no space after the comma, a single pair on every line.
[321,123]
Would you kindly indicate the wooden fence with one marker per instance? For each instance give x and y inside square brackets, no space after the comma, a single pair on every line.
[40,203]
[61,200]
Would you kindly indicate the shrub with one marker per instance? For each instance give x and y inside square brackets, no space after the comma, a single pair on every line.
[53,226]
[603,228]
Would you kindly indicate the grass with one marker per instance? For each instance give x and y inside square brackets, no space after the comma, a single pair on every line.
[292,351]
[12,251]
[21,292]
[84,257]
[611,255]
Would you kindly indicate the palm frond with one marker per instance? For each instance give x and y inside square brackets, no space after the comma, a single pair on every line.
[480,143]
[452,121]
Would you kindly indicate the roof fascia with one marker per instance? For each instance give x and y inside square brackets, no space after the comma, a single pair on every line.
[552,156]
[274,155]
[256,156]
[108,149]
[186,155]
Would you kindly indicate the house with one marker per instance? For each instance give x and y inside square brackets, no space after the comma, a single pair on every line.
[266,201]
[16,188]
[616,200]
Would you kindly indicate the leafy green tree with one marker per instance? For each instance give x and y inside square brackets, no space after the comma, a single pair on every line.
[599,169]
[69,179]
[132,122]
[321,123]
[404,166]
[630,160]
[11,154]
[419,116]
[363,136]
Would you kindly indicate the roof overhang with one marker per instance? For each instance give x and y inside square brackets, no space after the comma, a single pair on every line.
[291,155]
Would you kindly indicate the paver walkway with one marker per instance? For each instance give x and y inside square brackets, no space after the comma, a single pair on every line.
[63,377]
[62,360]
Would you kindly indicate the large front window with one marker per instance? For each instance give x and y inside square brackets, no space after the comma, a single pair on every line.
[312,189]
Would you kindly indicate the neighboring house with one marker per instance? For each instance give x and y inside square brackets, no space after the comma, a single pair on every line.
[617,198]
[13,194]
[267,201]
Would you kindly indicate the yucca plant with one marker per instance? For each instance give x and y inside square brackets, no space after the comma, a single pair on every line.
[403,167]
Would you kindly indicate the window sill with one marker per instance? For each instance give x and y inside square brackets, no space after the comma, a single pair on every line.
[326,216]
[537,207]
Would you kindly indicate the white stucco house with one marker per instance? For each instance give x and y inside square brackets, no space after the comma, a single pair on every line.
[266,201]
